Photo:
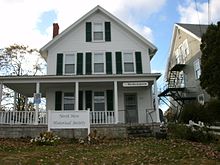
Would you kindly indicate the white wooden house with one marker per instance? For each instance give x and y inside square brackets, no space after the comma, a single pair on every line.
[98,63]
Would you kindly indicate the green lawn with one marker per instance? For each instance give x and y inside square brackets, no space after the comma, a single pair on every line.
[135,151]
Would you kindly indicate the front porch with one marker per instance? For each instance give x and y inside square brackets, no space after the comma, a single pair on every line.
[112,99]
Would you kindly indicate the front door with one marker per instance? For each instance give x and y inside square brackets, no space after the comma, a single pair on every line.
[131,113]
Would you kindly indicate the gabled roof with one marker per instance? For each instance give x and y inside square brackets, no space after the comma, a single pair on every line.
[98,8]
[195,29]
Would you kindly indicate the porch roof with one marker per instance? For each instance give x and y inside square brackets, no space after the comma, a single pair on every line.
[26,85]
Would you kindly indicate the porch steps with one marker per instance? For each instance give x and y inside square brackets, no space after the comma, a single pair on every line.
[139,131]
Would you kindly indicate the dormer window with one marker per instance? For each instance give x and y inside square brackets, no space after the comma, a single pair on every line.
[98,32]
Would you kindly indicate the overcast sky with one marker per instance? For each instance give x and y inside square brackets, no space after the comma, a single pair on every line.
[29,22]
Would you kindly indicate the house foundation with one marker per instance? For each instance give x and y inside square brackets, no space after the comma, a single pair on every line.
[109,131]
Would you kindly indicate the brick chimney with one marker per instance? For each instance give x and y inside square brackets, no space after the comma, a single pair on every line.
[55,29]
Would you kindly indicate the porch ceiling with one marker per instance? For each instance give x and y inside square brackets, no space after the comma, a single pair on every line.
[28,89]
[26,85]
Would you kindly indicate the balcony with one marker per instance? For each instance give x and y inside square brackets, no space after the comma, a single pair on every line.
[177,64]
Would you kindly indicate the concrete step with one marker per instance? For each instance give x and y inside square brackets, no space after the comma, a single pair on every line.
[139,131]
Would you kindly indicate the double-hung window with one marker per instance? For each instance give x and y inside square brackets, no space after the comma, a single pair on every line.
[68,100]
[128,60]
[182,55]
[197,69]
[99,101]
[69,65]
[99,63]
[98,31]
[186,47]
[177,54]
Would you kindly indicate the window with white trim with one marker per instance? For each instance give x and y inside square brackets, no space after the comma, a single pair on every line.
[68,101]
[98,63]
[197,69]
[177,54]
[98,31]
[181,80]
[185,47]
[201,99]
[69,64]
[99,101]
[128,62]
[182,56]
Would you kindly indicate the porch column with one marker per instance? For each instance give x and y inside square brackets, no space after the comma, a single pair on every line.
[77,96]
[156,102]
[1,91]
[15,98]
[116,101]
[25,103]
[37,105]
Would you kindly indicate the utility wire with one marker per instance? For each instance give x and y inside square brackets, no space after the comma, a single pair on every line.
[209,13]
[198,17]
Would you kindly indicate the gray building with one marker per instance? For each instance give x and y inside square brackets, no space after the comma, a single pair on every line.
[183,67]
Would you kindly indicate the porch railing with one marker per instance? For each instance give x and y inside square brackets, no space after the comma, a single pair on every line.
[22,117]
[28,117]
[102,117]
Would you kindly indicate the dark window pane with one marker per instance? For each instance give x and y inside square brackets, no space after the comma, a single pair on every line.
[98,36]
[69,100]
[129,67]
[99,68]
[68,106]
[99,106]
[69,68]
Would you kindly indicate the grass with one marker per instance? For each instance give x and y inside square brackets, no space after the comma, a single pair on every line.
[130,151]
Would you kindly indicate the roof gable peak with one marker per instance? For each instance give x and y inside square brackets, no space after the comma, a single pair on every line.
[98,8]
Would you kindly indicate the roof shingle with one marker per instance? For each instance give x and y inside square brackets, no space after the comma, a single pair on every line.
[196,29]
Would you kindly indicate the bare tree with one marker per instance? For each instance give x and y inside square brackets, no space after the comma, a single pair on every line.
[19,60]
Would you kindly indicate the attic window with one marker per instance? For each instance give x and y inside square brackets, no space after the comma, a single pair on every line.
[98,32]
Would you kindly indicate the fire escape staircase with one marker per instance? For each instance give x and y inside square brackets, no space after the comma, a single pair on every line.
[175,88]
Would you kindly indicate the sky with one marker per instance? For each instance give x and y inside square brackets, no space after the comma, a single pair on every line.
[29,22]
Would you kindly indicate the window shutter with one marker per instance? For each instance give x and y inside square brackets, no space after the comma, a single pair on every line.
[80,100]
[107,31]
[58,100]
[59,64]
[88,63]
[118,63]
[88,31]
[138,62]
[79,63]
[89,100]
[109,100]
[108,57]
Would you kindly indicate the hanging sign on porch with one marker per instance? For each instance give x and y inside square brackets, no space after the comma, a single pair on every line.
[68,119]
[37,98]
[135,84]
